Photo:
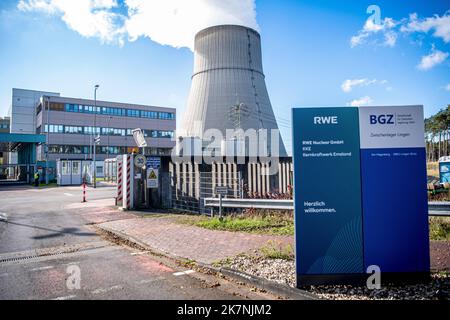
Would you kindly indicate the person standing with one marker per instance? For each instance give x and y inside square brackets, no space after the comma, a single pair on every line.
[36,178]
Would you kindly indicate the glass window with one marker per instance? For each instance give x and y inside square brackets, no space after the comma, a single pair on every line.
[65,167]
[76,167]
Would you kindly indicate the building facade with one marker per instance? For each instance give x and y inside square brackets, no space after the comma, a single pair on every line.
[4,124]
[72,124]
[4,128]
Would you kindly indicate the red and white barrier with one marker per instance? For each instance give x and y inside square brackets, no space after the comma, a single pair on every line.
[128,197]
[128,182]
[120,180]
[84,191]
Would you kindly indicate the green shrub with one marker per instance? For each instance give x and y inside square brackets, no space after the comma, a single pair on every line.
[439,228]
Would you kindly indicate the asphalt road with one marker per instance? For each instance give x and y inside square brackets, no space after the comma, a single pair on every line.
[48,250]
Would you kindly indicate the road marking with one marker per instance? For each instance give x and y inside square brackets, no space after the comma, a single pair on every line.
[104,290]
[66,297]
[68,194]
[146,281]
[176,274]
[42,268]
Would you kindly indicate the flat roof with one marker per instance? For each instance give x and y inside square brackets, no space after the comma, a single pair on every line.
[101,103]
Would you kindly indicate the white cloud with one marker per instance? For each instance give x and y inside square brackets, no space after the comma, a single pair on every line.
[370,28]
[447,87]
[440,25]
[434,58]
[347,85]
[360,102]
[90,18]
[169,22]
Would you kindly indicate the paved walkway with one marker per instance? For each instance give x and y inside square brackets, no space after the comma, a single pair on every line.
[190,242]
[208,246]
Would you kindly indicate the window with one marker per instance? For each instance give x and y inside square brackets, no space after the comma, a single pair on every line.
[166,115]
[149,114]
[56,106]
[133,113]
[76,167]
[65,167]
[73,129]
[165,134]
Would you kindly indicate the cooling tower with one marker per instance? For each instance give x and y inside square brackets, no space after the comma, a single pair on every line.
[228,88]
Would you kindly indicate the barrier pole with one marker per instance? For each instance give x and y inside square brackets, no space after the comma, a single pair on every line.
[84,191]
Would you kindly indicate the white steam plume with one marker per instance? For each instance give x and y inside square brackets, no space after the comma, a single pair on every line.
[168,22]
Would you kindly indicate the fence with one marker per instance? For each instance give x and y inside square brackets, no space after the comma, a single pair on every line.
[190,186]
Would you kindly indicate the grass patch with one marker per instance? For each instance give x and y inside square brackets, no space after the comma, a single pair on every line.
[439,228]
[264,224]
[50,185]
[276,250]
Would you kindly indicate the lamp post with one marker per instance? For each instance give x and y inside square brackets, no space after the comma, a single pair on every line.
[95,133]
[47,141]
[109,133]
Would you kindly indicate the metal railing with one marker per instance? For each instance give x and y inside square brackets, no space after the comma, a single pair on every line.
[434,208]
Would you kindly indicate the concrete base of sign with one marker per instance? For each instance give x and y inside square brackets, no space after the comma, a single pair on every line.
[361,279]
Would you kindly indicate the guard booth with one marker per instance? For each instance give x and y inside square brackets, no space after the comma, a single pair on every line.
[73,171]
[110,169]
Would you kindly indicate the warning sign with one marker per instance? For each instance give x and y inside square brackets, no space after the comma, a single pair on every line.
[152,178]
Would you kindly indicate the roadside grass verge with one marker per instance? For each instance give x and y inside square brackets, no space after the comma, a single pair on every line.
[268,223]
[439,228]
[50,185]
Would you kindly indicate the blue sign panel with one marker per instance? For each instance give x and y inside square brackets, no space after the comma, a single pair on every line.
[444,171]
[359,192]
[153,162]
[328,217]
[393,175]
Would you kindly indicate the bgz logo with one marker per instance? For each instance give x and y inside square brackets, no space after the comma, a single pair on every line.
[382,119]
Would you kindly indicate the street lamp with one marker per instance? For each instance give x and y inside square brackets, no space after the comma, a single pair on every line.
[45,98]
[95,132]
[109,133]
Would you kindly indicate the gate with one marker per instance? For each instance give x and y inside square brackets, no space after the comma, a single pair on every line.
[189,186]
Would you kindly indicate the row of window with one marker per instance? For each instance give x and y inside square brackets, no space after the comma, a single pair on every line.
[62,149]
[111,150]
[119,112]
[57,128]
[4,126]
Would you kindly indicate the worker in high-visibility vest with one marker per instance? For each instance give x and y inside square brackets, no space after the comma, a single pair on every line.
[36,179]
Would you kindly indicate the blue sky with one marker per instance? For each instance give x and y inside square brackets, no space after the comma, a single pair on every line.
[307,55]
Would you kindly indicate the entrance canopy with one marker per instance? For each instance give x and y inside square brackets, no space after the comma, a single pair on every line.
[11,142]
[23,144]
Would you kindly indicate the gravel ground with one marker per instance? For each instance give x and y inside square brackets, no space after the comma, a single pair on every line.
[283,271]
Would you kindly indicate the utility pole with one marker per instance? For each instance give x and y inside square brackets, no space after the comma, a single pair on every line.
[95,133]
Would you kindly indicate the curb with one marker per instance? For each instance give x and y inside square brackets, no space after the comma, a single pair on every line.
[260,283]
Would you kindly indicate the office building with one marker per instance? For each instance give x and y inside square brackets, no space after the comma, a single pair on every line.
[72,124]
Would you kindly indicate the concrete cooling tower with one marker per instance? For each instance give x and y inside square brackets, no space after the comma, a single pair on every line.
[228,88]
